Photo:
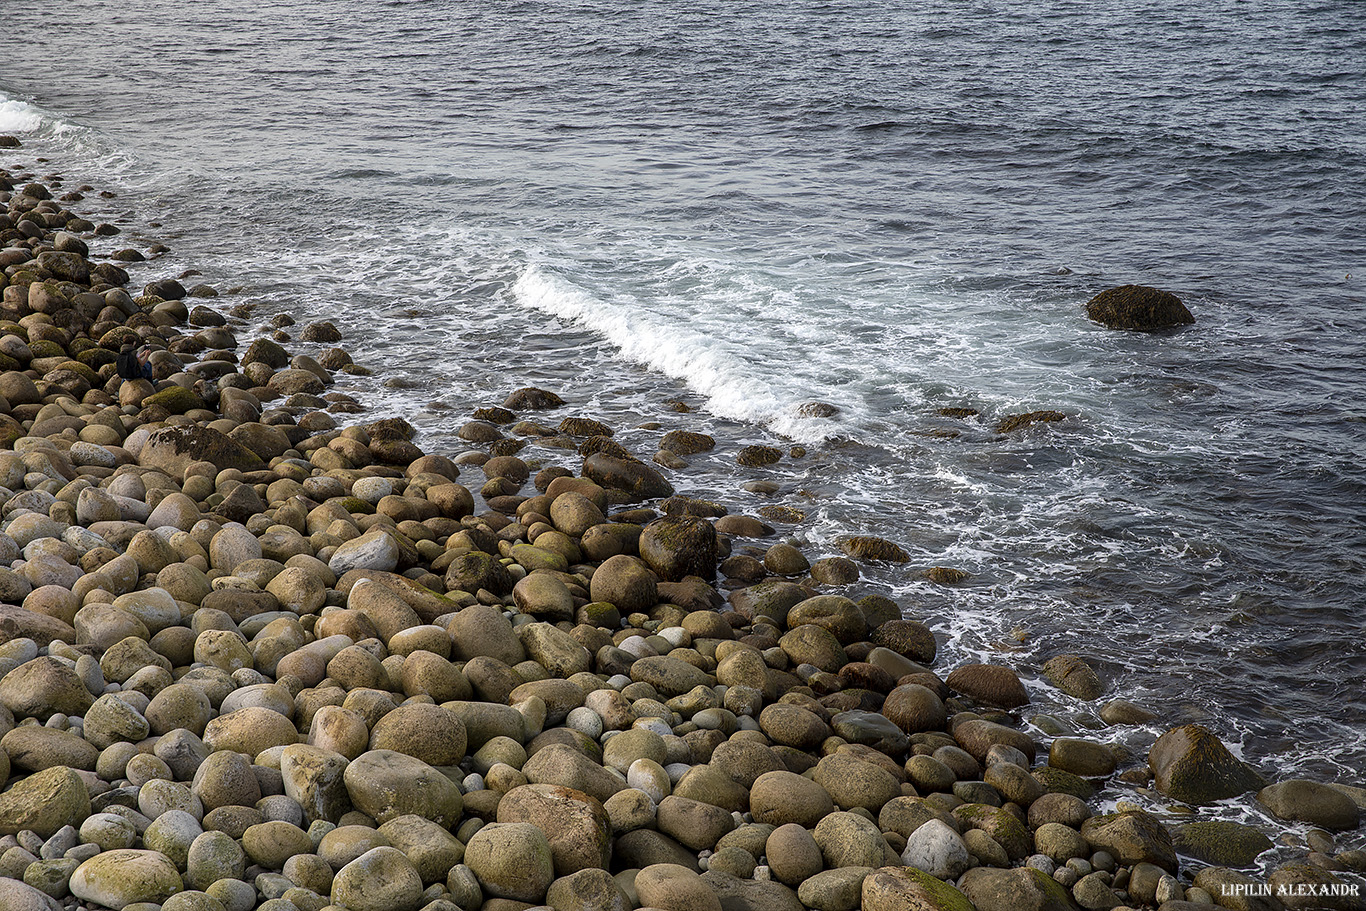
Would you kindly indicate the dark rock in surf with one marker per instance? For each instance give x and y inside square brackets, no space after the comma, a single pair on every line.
[1190,764]
[530,398]
[1138,307]
[635,478]
[1013,422]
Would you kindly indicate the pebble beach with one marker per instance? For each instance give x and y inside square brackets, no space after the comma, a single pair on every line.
[261,649]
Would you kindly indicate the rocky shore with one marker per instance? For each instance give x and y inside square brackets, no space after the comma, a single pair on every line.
[253,656]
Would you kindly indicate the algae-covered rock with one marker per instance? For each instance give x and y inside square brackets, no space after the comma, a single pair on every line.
[1138,307]
[1221,843]
[989,684]
[869,547]
[1013,422]
[638,480]
[1190,764]
[679,546]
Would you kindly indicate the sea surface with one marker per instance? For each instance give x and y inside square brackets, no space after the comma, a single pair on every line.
[892,208]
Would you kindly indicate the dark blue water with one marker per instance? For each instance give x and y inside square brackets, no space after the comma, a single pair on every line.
[892,209]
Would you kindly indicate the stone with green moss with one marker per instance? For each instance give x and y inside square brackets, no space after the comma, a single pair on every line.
[175,399]
[1224,844]
[1056,781]
[1008,831]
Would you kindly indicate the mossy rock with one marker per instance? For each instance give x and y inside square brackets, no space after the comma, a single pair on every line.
[84,371]
[494,415]
[46,348]
[869,547]
[758,456]
[895,888]
[584,427]
[356,506]
[1224,844]
[1013,422]
[8,363]
[175,399]
[957,412]
[119,336]
[607,445]
[390,430]
[97,357]
[1138,307]
[947,575]
[80,345]
[1056,781]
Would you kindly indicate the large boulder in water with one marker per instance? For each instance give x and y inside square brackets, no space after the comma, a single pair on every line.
[676,547]
[1138,307]
[638,480]
[1190,764]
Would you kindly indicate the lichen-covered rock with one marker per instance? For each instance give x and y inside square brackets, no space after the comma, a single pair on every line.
[44,802]
[172,449]
[511,860]
[782,797]
[38,688]
[385,784]
[381,879]
[1138,307]
[625,582]
[575,824]
[672,887]
[1190,764]
[1020,889]
[114,879]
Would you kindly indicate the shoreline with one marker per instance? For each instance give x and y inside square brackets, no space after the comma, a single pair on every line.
[309,558]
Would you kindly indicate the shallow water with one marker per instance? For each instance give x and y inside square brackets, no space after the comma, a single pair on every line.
[891,210]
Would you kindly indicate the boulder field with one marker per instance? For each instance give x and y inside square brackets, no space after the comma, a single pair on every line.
[253,657]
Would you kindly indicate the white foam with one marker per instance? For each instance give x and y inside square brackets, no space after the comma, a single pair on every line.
[735,385]
[18,116]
